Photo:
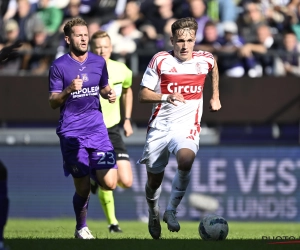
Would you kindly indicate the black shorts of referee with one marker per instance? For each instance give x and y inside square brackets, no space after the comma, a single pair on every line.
[118,143]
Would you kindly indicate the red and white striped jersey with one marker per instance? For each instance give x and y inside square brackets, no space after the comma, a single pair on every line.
[166,74]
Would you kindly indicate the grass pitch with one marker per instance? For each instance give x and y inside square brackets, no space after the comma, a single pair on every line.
[34,234]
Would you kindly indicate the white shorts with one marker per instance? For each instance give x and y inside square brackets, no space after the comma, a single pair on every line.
[159,145]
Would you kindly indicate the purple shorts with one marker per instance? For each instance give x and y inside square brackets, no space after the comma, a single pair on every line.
[84,155]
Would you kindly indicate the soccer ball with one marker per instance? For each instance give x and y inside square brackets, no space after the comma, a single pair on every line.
[213,227]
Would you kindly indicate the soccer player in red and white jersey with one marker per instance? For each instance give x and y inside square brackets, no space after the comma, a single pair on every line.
[173,82]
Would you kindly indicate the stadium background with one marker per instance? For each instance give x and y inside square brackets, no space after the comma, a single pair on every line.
[249,156]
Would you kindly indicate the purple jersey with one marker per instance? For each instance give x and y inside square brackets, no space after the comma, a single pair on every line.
[80,114]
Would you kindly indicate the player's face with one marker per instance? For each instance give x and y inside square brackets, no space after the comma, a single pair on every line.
[183,44]
[78,40]
[102,47]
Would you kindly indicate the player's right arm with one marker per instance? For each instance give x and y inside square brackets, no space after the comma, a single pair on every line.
[56,99]
[151,79]
[147,95]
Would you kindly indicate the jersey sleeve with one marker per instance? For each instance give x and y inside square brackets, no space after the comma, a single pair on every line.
[55,79]
[127,77]
[152,74]
[208,58]
[104,77]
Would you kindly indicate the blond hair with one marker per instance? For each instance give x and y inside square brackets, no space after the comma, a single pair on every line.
[100,34]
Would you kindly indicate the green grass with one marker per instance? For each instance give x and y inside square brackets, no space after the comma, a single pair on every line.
[32,234]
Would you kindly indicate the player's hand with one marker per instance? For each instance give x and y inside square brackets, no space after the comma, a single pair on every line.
[127,128]
[76,84]
[176,97]
[215,105]
[111,96]
[10,52]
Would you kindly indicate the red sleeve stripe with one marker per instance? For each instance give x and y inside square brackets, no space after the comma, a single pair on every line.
[151,63]
[196,119]
[204,54]
[154,116]
[159,67]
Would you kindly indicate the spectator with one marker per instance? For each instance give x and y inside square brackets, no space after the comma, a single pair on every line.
[10,10]
[164,43]
[94,25]
[273,12]
[110,10]
[71,10]
[39,62]
[251,19]
[227,10]
[293,12]
[25,19]
[288,61]
[50,15]
[222,10]
[158,12]
[198,11]
[211,39]
[148,40]
[133,13]
[223,47]
[258,58]
[11,30]
[229,63]
[124,36]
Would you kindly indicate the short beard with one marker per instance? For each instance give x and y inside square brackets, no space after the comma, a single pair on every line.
[78,52]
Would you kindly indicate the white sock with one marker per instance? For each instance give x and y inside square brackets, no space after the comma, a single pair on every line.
[152,197]
[179,185]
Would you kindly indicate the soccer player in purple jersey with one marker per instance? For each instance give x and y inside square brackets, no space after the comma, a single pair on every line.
[75,81]
[6,54]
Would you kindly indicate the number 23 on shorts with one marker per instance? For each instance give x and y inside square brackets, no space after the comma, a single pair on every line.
[106,158]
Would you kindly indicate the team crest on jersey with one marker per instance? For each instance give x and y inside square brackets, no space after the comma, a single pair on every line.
[198,68]
[84,77]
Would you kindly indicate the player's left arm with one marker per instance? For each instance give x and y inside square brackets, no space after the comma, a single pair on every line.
[108,93]
[127,100]
[215,103]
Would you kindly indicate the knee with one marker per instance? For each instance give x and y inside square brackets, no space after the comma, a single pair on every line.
[185,163]
[3,172]
[83,191]
[125,183]
[109,185]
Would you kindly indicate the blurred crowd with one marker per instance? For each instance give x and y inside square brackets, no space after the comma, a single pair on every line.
[248,38]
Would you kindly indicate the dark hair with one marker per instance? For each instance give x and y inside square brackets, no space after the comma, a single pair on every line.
[183,23]
[77,21]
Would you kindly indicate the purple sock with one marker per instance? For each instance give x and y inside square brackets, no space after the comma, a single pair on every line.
[3,206]
[80,207]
